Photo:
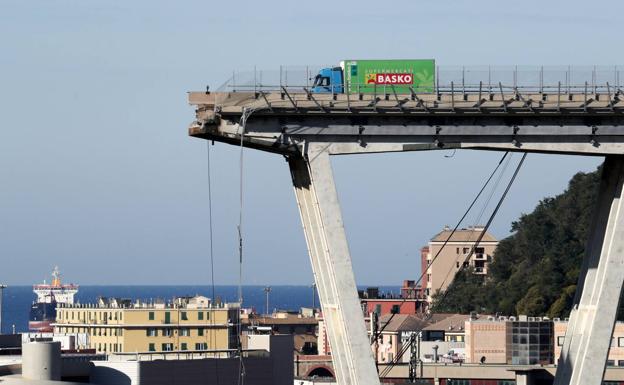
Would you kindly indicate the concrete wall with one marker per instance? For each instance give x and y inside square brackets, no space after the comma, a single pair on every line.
[258,371]
[486,339]
[41,361]
[272,368]
[280,348]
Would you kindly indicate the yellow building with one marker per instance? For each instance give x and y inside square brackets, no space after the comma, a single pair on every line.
[120,326]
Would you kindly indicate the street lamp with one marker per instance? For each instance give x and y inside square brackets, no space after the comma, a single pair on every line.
[267,290]
[313,286]
[2,287]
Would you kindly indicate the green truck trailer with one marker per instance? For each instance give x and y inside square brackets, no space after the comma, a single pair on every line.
[377,76]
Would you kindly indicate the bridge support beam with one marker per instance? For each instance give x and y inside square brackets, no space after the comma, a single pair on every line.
[588,336]
[331,263]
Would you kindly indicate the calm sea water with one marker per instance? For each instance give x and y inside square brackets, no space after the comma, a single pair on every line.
[17,299]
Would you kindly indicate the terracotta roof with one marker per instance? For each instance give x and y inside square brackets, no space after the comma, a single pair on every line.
[449,322]
[402,322]
[463,235]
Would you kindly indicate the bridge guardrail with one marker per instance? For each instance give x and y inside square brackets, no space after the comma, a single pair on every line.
[459,79]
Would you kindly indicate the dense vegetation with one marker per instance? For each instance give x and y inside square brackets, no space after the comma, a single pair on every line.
[535,270]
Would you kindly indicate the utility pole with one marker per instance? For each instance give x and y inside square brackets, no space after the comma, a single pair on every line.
[2,287]
[313,286]
[267,290]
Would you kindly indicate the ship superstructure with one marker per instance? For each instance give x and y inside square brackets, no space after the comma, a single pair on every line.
[43,311]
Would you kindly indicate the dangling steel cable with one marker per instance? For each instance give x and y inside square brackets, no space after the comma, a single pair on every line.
[489,222]
[474,201]
[480,215]
[211,250]
[482,233]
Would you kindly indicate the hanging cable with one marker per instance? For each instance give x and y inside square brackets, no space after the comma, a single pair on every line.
[212,333]
[241,366]
[489,222]
[394,362]
[480,215]
[447,240]
[242,123]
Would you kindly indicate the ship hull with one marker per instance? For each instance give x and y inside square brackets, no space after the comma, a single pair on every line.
[42,316]
[41,326]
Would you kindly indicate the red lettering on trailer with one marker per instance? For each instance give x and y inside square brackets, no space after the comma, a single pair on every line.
[394,78]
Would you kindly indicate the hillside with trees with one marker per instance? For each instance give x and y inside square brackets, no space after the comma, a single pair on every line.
[534,270]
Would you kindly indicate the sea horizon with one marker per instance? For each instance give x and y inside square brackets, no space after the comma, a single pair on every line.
[17,299]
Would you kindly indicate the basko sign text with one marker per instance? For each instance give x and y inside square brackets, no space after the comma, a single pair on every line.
[391,78]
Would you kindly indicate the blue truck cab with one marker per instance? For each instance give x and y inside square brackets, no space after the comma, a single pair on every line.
[328,80]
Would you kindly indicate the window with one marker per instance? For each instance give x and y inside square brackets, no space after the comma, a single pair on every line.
[620,342]
[560,340]
[151,332]
[321,81]
[620,362]
[152,347]
[200,315]
[466,250]
[207,315]
[458,250]
[185,332]
[201,346]
[378,309]
[167,332]
[395,309]
[183,346]
[150,316]
[168,347]
[200,332]
[184,317]
[167,317]
[610,363]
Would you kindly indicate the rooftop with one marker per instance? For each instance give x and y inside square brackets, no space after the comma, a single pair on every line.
[195,302]
[449,322]
[463,235]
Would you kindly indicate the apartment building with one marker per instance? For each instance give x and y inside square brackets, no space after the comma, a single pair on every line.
[121,326]
[461,250]
[616,350]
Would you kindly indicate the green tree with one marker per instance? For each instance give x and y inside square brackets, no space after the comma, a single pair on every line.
[535,270]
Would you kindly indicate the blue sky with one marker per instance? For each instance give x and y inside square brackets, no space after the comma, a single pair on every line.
[98,175]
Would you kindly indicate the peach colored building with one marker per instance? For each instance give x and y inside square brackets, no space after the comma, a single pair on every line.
[485,337]
[616,351]
[461,250]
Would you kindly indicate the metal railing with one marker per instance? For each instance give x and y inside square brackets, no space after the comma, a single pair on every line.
[455,79]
